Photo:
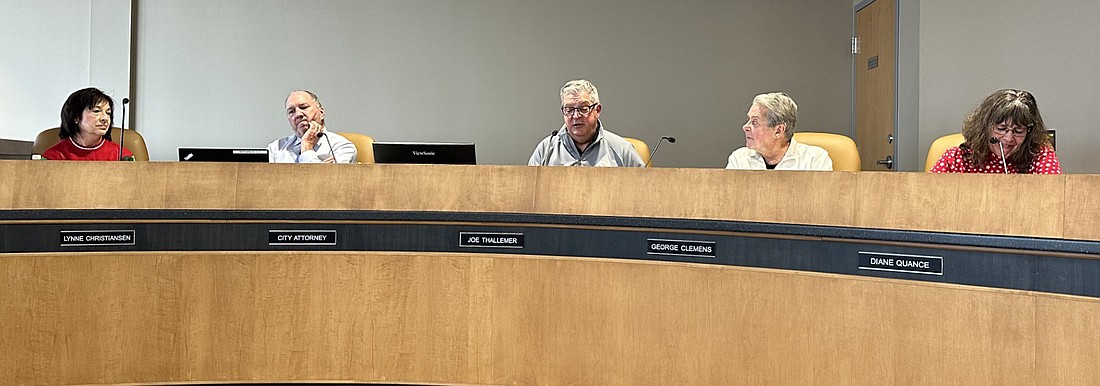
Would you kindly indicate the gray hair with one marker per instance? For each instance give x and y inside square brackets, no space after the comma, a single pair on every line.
[780,109]
[578,87]
[311,95]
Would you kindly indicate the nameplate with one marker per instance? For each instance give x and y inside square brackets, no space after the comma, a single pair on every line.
[301,237]
[490,240]
[687,248]
[97,238]
[897,262]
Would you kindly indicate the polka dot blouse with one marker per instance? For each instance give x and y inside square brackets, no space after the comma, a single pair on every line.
[953,161]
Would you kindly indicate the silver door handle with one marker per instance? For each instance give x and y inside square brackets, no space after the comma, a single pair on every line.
[889,162]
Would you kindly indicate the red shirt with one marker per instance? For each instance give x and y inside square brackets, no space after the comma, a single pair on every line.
[67,149]
[953,161]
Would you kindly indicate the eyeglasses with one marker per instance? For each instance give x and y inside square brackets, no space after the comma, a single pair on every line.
[583,110]
[1017,131]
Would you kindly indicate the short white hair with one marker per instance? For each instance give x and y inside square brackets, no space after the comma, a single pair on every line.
[578,87]
[780,109]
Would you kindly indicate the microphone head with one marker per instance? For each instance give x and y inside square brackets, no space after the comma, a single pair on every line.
[321,134]
[994,140]
[670,139]
[125,100]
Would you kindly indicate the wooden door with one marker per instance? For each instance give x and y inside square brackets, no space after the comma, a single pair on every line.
[876,85]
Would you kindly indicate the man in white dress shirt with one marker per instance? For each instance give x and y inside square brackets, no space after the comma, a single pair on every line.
[310,143]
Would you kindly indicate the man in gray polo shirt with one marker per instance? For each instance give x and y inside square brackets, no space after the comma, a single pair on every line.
[583,140]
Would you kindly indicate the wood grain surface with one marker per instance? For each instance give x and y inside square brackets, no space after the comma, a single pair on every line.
[1017,205]
[105,318]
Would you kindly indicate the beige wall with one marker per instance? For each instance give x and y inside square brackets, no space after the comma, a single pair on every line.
[46,56]
[54,47]
[214,73]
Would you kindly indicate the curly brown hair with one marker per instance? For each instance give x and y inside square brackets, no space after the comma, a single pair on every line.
[1014,106]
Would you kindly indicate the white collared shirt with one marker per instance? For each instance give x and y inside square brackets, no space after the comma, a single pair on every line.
[798,157]
[288,150]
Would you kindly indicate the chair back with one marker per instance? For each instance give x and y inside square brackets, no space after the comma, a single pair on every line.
[640,147]
[135,143]
[364,147]
[842,150]
[939,146]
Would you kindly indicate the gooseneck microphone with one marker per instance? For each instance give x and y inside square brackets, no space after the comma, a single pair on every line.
[1002,146]
[654,153]
[550,143]
[330,151]
[122,129]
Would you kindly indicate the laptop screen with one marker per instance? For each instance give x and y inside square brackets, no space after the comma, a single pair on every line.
[424,153]
[221,154]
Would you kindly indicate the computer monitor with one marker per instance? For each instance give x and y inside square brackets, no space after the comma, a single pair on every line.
[424,153]
[221,154]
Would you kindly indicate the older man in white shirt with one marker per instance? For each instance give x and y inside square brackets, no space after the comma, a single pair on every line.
[769,139]
[306,116]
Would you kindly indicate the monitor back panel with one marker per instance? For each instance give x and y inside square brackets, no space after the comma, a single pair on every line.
[424,153]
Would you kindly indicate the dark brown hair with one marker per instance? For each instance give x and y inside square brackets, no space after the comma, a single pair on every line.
[73,110]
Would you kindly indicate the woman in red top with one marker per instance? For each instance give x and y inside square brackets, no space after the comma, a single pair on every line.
[1004,134]
[85,129]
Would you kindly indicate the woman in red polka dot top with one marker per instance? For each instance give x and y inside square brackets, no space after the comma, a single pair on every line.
[1007,119]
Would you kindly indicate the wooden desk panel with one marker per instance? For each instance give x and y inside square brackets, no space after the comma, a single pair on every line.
[1082,202]
[961,203]
[978,204]
[385,187]
[301,186]
[515,319]
[1058,358]
[701,325]
[92,319]
[177,317]
[204,185]
[88,185]
[787,197]
[9,173]
[120,317]
[451,188]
